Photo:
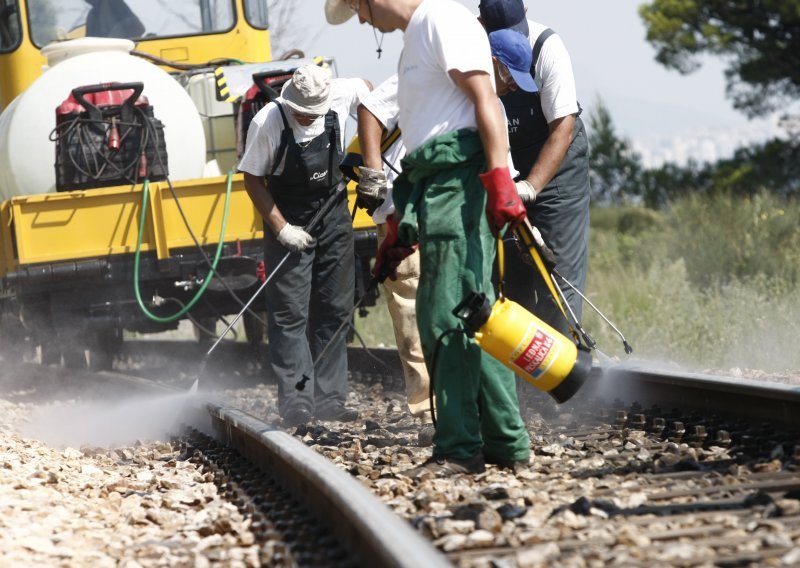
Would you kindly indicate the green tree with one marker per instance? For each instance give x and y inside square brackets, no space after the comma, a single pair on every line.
[660,186]
[615,167]
[772,166]
[760,40]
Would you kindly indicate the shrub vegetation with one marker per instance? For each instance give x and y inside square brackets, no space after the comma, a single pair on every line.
[708,282]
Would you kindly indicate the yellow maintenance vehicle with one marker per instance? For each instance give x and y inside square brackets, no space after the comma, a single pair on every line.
[121,125]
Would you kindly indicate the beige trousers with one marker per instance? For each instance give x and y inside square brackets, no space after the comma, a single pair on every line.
[401,297]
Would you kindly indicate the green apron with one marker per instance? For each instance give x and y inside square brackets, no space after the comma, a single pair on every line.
[442,204]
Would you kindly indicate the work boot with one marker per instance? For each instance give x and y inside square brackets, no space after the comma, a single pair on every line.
[339,413]
[515,466]
[425,435]
[296,416]
[441,466]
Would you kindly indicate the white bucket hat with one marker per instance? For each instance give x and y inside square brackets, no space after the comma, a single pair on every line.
[309,90]
[337,11]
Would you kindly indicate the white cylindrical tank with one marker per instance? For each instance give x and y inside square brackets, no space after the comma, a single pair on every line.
[27,156]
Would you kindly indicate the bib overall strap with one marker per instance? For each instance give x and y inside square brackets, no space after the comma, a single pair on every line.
[285,133]
[537,48]
[332,127]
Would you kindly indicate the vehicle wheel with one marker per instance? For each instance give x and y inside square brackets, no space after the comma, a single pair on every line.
[104,345]
[254,328]
[12,335]
[70,337]
[205,331]
[48,354]
[43,335]
[74,356]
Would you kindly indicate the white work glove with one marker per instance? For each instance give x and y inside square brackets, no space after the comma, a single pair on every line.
[294,238]
[526,191]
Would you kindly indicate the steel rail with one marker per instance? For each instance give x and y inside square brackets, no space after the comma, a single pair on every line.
[707,394]
[379,537]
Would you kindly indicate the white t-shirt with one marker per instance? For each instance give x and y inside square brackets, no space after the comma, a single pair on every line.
[264,133]
[554,75]
[382,102]
[442,35]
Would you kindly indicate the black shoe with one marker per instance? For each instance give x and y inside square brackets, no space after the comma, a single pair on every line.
[516,466]
[296,416]
[442,466]
[425,436]
[339,413]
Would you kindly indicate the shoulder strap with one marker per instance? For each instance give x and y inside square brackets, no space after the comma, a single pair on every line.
[389,138]
[537,48]
[283,115]
[283,144]
[332,126]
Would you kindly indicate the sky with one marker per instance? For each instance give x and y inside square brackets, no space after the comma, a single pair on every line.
[666,115]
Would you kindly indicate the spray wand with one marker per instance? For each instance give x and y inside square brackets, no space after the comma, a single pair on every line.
[540,255]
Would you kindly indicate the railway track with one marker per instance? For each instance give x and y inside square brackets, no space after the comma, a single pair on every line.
[301,510]
[643,467]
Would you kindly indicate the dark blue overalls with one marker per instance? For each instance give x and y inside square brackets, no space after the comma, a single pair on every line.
[313,292]
[561,209]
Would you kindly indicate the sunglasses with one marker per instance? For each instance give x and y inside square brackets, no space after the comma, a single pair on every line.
[305,117]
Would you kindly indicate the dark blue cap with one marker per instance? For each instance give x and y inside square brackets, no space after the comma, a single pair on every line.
[502,14]
[513,50]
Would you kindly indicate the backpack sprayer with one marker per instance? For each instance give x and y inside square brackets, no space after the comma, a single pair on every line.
[524,343]
[105,135]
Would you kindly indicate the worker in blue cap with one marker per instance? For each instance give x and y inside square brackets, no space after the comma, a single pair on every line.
[550,149]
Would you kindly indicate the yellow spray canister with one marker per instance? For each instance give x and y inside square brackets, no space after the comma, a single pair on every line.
[526,345]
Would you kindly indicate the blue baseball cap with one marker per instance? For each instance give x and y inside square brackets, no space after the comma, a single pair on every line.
[513,50]
[502,14]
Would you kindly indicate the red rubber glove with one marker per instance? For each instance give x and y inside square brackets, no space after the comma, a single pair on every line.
[503,204]
[390,253]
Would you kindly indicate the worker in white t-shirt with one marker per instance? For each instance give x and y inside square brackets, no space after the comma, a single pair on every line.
[454,130]
[378,118]
[291,168]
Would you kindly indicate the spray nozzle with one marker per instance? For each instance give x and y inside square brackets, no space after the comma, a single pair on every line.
[474,311]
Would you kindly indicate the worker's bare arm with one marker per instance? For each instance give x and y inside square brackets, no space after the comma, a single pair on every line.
[491,126]
[370,130]
[553,151]
[256,187]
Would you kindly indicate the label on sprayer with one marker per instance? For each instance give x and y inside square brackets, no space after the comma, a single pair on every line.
[536,352]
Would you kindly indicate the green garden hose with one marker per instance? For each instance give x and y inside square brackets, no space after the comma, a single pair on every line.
[206,282]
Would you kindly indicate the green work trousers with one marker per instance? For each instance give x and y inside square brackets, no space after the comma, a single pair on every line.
[476,399]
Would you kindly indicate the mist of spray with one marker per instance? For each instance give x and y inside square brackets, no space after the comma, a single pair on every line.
[110,424]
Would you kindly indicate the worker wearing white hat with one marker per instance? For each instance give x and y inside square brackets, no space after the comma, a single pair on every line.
[291,167]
